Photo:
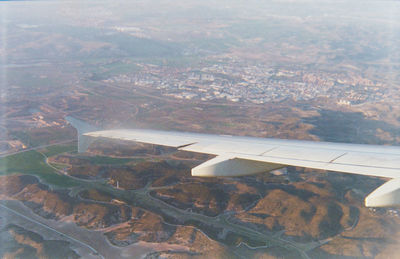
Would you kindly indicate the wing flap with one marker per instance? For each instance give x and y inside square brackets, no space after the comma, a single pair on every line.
[222,147]
[387,195]
[226,165]
[370,159]
[344,168]
[304,154]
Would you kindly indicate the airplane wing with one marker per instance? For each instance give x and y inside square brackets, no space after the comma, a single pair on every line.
[237,156]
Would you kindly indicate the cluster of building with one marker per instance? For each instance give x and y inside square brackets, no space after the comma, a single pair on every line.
[235,81]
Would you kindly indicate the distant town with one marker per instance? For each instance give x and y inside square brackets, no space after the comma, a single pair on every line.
[237,81]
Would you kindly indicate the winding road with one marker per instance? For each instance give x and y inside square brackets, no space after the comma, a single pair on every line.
[94,251]
[142,198]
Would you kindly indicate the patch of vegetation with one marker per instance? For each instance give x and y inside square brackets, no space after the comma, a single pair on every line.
[10,245]
[43,136]
[209,230]
[59,149]
[208,200]
[260,215]
[103,160]
[330,225]
[308,215]
[96,195]
[302,194]
[349,127]
[237,239]
[25,78]
[110,69]
[32,163]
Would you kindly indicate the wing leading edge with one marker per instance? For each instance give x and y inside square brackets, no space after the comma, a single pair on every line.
[237,156]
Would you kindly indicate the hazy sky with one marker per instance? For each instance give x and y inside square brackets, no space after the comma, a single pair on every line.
[107,11]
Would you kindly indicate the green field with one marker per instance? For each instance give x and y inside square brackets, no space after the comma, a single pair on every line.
[32,163]
[58,149]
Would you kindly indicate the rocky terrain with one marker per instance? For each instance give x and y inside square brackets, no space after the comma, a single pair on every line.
[301,205]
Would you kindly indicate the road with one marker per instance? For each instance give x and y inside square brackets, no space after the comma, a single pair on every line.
[142,198]
[35,221]
[95,253]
